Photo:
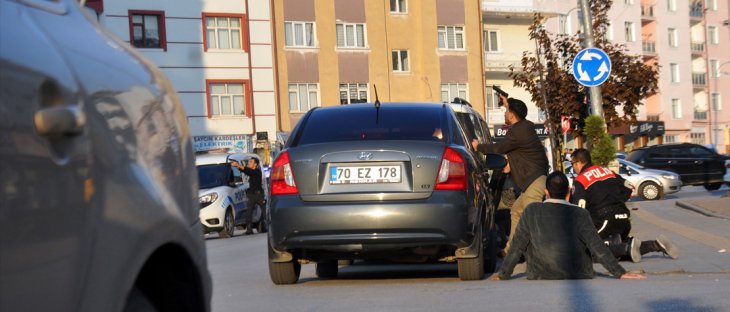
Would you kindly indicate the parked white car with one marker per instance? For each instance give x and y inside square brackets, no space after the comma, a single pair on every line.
[222,194]
[650,184]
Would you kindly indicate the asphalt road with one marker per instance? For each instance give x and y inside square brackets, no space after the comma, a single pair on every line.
[698,281]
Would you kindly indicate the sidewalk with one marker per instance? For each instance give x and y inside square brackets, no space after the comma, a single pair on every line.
[713,207]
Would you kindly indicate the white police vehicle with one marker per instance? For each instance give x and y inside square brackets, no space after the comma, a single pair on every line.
[222,194]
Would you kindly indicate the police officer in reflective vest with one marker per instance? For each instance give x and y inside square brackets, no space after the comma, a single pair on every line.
[604,194]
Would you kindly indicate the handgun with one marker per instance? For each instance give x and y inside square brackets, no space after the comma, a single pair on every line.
[500,91]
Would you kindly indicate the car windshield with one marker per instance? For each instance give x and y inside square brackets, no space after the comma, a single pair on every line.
[359,123]
[210,176]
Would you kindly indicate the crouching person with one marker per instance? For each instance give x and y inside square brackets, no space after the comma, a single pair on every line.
[557,240]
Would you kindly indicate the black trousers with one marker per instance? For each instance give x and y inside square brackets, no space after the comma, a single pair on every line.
[255,197]
[614,228]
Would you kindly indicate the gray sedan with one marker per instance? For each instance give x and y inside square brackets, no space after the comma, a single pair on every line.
[650,184]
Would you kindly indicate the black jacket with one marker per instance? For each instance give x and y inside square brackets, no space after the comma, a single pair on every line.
[600,191]
[254,179]
[525,152]
[556,238]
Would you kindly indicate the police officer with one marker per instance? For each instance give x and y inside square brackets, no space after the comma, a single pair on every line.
[255,191]
[604,194]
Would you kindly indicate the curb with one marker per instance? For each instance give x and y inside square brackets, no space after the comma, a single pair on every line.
[699,210]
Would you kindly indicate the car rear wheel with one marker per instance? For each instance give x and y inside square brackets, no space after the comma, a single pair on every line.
[490,252]
[284,273]
[713,186]
[327,269]
[650,191]
[228,225]
[471,269]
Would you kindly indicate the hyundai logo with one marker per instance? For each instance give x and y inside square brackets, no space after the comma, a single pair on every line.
[365,156]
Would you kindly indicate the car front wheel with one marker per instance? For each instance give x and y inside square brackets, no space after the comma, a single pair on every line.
[713,186]
[650,191]
[228,225]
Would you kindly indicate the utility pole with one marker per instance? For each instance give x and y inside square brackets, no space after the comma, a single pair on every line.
[587,21]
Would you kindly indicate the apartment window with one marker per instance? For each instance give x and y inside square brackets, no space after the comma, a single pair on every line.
[299,34]
[227,98]
[350,35]
[670,139]
[351,93]
[674,71]
[672,5]
[147,29]
[491,41]
[673,40]
[715,68]
[563,24]
[716,102]
[629,30]
[223,32]
[712,5]
[492,98]
[697,137]
[451,90]
[713,34]
[451,37]
[676,109]
[398,6]
[629,2]
[400,60]
[609,30]
[303,96]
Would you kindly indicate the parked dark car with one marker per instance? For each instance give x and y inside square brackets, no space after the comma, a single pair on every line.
[390,182]
[695,164]
[98,187]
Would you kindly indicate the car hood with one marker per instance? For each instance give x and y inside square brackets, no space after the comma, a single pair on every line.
[659,172]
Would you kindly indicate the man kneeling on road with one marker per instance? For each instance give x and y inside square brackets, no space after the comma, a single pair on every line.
[604,194]
[555,237]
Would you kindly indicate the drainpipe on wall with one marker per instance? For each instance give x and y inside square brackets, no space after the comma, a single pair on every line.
[709,73]
[483,73]
[250,70]
[275,51]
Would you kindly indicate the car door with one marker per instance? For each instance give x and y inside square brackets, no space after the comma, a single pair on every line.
[707,166]
[45,187]
[239,192]
[681,162]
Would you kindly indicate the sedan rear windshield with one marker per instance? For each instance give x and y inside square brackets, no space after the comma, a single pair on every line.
[364,122]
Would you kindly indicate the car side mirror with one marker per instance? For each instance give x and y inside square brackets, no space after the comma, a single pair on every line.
[495,161]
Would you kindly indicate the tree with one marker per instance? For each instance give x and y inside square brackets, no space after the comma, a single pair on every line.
[600,144]
[630,82]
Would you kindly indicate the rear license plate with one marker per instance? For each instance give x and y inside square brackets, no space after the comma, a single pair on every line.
[364,174]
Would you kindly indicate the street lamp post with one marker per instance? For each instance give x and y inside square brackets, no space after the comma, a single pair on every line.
[713,112]
[587,21]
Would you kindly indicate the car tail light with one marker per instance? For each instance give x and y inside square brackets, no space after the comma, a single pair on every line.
[452,174]
[282,177]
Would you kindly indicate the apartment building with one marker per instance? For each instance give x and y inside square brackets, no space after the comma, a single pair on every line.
[218,55]
[336,52]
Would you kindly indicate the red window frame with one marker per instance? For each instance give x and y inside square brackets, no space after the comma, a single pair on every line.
[244,28]
[161,26]
[246,94]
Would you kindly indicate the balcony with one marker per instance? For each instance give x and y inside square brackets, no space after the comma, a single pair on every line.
[700,115]
[698,48]
[647,13]
[495,61]
[649,47]
[518,9]
[699,80]
[696,14]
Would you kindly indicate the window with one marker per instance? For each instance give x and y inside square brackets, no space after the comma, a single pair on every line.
[697,137]
[712,5]
[223,32]
[227,98]
[674,71]
[303,96]
[714,68]
[400,60]
[672,5]
[451,90]
[713,35]
[629,2]
[147,29]
[676,109]
[563,24]
[398,6]
[351,93]
[673,41]
[492,98]
[629,30]
[716,102]
[491,41]
[299,34]
[451,37]
[350,35]
[609,30]
[670,139]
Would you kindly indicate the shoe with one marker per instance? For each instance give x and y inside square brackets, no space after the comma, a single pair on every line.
[667,247]
[635,252]
[248,233]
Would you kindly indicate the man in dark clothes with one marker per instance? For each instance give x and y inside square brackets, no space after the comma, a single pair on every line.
[555,237]
[604,194]
[526,156]
[255,191]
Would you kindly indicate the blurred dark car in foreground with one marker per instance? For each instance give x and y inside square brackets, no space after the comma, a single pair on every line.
[695,164]
[98,188]
[390,182]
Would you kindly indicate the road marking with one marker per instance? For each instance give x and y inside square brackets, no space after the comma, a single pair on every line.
[705,238]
